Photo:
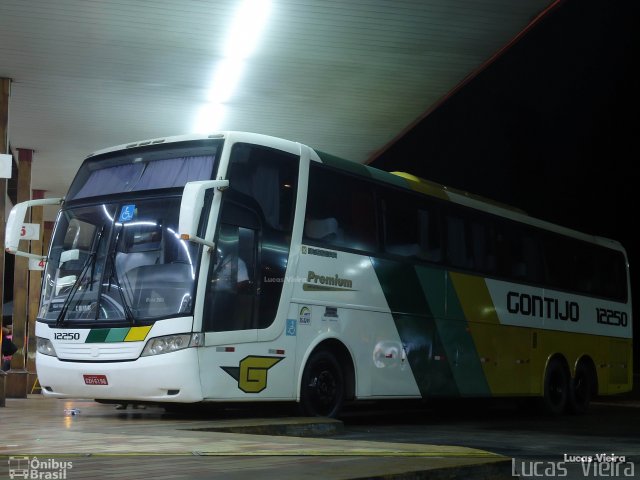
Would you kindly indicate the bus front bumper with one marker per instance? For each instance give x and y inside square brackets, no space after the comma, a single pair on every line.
[170,377]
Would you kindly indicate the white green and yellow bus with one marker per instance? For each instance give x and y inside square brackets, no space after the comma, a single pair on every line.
[238,267]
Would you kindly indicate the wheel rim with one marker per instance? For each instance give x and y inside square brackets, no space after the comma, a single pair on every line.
[323,390]
[557,389]
[581,388]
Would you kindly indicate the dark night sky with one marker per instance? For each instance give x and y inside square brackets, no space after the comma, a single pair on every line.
[552,126]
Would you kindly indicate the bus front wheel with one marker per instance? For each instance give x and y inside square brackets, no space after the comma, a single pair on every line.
[556,387]
[322,392]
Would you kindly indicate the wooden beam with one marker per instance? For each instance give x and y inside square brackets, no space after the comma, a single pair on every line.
[18,379]
[5,85]
[35,279]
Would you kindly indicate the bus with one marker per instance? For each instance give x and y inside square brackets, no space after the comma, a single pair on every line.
[238,267]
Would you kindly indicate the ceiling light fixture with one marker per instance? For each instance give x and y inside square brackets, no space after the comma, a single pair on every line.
[242,40]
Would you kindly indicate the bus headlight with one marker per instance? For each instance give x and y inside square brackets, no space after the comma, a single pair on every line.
[172,343]
[45,347]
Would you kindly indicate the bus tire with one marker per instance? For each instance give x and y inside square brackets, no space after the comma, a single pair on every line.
[556,388]
[322,391]
[582,388]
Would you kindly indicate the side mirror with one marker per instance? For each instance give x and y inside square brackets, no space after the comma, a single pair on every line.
[191,208]
[15,222]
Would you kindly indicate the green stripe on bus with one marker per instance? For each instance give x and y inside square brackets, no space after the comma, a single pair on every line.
[484,327]
[453,331]
[342,164]
[401,287]
[97,335]
[117,335]
[416,327]
[461,348]
[432,283]
[107,335]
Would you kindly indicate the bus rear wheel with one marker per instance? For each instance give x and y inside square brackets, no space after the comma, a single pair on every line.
[556,387]
[582,388]
[322,392]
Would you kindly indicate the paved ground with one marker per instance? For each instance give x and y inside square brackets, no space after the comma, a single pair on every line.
[372,441]
[611,427]
[102,442]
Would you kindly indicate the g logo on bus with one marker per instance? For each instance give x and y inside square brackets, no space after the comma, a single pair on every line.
[251,373]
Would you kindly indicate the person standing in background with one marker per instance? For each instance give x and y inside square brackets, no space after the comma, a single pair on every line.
[8,348]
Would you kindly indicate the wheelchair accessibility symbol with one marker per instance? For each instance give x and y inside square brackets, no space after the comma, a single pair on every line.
[291,327]
[127,213]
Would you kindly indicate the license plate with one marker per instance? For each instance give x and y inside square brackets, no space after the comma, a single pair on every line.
[95,379]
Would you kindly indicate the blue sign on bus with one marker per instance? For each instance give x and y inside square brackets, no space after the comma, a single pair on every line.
[127,212]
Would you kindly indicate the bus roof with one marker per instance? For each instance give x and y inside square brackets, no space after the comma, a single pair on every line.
[222,135]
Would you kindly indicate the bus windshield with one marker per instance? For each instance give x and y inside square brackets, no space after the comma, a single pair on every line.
[115,255]
[119,262]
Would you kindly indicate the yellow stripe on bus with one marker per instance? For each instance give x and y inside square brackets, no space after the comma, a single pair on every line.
[137,334]
[424,186]
[474,297]
[485,329]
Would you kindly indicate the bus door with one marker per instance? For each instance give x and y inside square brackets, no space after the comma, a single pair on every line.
[231,294]
[245,279]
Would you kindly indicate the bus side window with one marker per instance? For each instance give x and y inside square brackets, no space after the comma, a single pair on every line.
[558,255]
[483,241]
[270,177]
[610,275]
[340,210]
[361,229]
[459,247]
[429,234]
[411,227]
[585,263]
[600,271]
[532,257]
[323,229]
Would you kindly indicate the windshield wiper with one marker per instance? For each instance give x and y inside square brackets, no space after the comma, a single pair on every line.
[90,262]
[113,276]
